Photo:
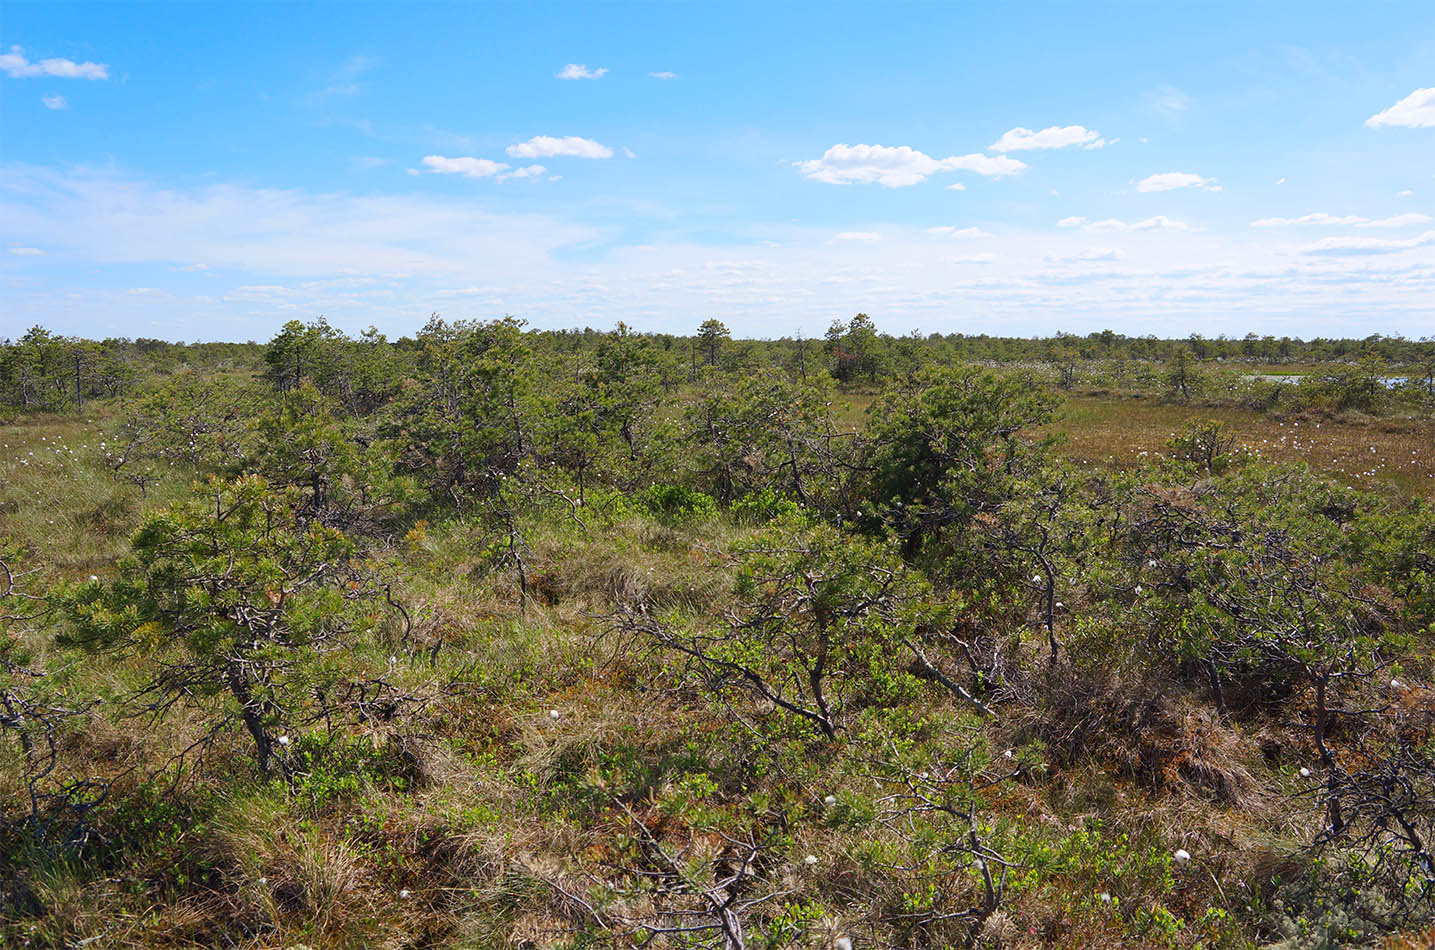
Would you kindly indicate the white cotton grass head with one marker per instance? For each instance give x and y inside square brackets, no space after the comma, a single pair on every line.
[1304,772]
[283,740]
[405,894]
[554,714]
[842,943]
[1105,897]
[810,860]
[829,800]
[1181,856]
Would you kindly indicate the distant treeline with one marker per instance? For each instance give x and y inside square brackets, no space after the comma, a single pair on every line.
[43,371]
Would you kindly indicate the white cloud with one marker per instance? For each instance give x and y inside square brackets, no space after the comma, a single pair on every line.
[1158,223]
[1415,111]
[993,166]
[1315,217]
[580,71]
[663,75]
[527,171]
[1168,99]
[546,146]
[956,186]
[896,167]
[1072,222]
[467,167]
[344,82]
[1087,255]
[55,102]
[857,236]
[27,252]
[951,230]
[1340,246]
[1020,139]
[16,66]
[1170,181]
[1404,193]
[123,232]
[1397,221]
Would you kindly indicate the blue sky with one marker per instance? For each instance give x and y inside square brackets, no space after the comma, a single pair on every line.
[209,171]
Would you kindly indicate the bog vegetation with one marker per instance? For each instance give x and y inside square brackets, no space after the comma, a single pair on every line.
[491,637]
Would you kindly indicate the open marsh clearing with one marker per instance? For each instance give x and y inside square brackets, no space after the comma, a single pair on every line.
[1393,453]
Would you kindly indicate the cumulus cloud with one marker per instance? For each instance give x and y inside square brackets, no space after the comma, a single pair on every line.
[580,71]
[1075,221]
[55,102]
[896,167]
[1065,136]
[1113,225]
[1415,111]
[15,65]
[547,146]
[1170,181]
[951,230]
[1349,246]
[663,75]
[956,186]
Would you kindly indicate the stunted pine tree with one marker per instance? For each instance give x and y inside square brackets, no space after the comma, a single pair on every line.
[239,608]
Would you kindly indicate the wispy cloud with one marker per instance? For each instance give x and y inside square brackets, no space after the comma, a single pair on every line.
[1116,226]
[897,167]
[1168,100]
[1415,111]
[1349,246]
[15,65]
[465,166]
[580,71]
[951,230]
[1320,217]
[344,82]
[1020,139]
[518,174]
[857,236]
[1170,181]
[1315,217]
[55,102]
[27,252]
[1087,256]
[547,146]
[480,168]
[663,75]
